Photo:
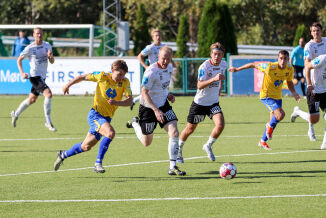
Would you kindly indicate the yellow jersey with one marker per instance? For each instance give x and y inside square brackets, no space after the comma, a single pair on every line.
[106,88]
[273,79]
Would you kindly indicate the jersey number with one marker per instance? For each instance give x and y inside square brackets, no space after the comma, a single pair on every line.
[111,93]
[278,83]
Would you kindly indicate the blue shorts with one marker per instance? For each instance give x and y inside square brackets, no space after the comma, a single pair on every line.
[95,121]
[272,104]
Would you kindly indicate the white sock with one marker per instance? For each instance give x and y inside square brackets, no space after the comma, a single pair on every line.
[173,151]
[211,141]
[138,131]
[311,128]
[303,115]
[324,141]
[47,110]
[22,107]
[181,143]
[135,100]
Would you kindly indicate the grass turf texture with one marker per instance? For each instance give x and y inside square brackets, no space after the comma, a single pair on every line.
[266,173]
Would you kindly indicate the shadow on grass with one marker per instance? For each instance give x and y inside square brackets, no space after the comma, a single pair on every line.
[30,151]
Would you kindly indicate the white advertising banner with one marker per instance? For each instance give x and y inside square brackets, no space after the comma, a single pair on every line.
[65,69]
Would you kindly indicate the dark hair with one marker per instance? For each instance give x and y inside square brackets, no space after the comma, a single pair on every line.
[316,24]
[120,65]
[283,52]
[217,46]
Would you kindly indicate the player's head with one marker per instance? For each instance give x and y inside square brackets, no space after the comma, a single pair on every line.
[283,58]
[156,36]
[21,33]
[119,69]
[38,35]
[301,42]
[316,30]
[217,53]
[164,56]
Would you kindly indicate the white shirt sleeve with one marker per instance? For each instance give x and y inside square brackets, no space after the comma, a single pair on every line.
[201,73]
[318,62]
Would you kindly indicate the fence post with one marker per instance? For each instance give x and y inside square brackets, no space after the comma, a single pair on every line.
[185,75]
[227,75]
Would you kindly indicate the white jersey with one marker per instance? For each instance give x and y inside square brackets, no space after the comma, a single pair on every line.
[313,49]
[152,52]
[210,94]
[318,77]
[157,81]
[38,58]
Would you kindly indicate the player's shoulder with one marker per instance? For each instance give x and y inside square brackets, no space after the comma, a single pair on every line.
[205,64]
[45,43]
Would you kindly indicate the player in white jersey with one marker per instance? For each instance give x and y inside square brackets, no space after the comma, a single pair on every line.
[38,53]
[154,107]
[206,101]
[314,48]
[151,51]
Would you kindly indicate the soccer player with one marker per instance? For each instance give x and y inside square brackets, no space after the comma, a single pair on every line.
[38,53]
[315,47]
[297,61]
[154,107]
[206,101]
[108,96]
[151,51]
[271,92]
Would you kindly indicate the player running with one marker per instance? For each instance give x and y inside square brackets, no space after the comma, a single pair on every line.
[154,107]
[108,96]
[315,47]
[206,101]
[271,92]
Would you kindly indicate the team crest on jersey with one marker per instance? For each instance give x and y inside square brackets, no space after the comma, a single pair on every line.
[273,66]
[209,74]
[316,61]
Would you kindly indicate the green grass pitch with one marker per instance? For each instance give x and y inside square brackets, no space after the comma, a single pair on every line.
[288,181]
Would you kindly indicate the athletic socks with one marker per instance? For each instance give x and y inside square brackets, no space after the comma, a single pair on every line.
[138,131]
[210,141]
[264,137]
[104,146]
[173,151]
[181,143]
[76,149]
[303,115]
[134,100]
[22,107]
[47,110]
[273,122]
[303,88]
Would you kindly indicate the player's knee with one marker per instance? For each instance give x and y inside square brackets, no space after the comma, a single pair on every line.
[32,100]
[86,147]
[314,119]
[280,115]
[110,134]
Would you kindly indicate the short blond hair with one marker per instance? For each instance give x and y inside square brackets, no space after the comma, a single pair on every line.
[167,50]
[155,31]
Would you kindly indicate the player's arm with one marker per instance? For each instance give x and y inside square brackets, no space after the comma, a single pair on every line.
[50,56]
[204,83]
[158,113]
[141,58]
[126,102]
[246,66]
[75,80]
[307,69]
[20,67]
[292,90]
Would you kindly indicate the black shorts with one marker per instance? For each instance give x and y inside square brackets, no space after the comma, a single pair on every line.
[198,112]
[148,121]
[316,101]
[298,72]
[38,85]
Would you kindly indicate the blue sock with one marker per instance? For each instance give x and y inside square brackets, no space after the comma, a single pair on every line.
[273,122]
[76,149]
[104,146]
[264,137]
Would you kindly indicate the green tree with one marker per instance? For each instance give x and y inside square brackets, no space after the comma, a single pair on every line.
[215,26]
[302,31]
[46,37]
[141,34]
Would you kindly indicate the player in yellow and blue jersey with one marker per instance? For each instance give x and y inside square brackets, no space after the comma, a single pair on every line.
[108,96]
[271,91]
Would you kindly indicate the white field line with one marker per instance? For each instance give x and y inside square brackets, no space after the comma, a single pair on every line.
[161,161]
[161,199]
[131,137]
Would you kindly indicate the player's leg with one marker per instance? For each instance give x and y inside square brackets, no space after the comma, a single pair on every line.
[219,124]
[108,133]
[172,129]
[134,101]
[323,108]
[47,109]
[23,106]
[186,132]
[303,86]
[89,141]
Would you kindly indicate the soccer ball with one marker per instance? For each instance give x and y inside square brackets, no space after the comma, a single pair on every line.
[228,171]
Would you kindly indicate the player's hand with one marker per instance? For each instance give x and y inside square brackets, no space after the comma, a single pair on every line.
[50,54]
[296,97]
[65,90]
[219,77]
[171,98]
[24,75]
[310,90]
[159,115]
[233,69]
[112,102]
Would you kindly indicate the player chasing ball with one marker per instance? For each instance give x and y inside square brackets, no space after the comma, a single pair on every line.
[271,91]
[108,96]
[154,107]
[206,101]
